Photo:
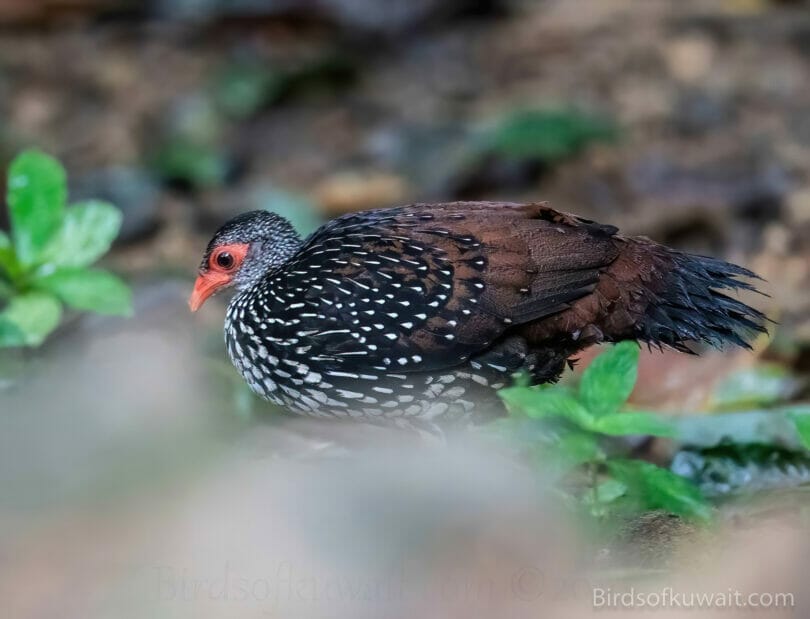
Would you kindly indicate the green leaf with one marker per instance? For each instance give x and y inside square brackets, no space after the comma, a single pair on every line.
[564,451]
[660,488]
[772,426]
[88,230]
[802,424]
[605,492]
[199,165]
[608,381]
[624,424]
[85,289]
[5,245]
[242,89]
[550,134]
[610,490]
[540,403]
[36,200]
[8,259]
[10,334]
[575,448]
[34,314]
[762,385]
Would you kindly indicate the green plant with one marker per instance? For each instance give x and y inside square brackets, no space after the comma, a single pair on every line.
[44,260]
[244,87]
[575,432]
[192,151]
[550,134]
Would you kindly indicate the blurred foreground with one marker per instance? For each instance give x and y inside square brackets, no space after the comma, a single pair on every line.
[157,504]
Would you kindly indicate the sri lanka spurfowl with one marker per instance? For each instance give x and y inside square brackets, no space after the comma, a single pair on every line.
[422,312]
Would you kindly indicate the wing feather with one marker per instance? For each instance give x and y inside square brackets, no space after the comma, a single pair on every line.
[424,287]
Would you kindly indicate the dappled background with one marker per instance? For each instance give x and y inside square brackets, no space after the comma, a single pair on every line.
[134,463]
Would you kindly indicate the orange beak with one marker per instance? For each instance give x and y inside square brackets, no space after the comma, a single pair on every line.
[206,285]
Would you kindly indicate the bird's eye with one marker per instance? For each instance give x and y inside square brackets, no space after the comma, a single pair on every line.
[225,260]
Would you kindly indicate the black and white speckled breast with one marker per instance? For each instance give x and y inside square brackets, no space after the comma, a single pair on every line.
[363,322]
[280,368]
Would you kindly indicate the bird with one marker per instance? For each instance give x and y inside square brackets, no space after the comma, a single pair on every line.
[419,314]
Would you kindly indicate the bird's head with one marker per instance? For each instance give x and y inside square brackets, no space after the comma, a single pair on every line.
[242,251]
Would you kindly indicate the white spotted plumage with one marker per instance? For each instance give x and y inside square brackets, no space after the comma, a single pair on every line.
[327,342]
[370,316]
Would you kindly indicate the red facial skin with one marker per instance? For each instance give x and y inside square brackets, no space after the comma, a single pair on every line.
[214,277]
